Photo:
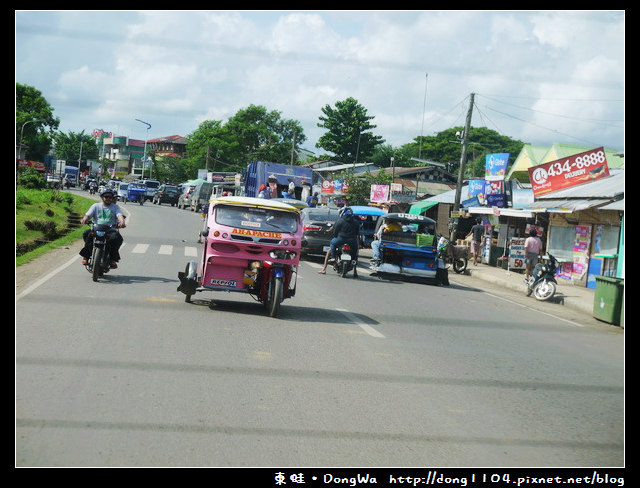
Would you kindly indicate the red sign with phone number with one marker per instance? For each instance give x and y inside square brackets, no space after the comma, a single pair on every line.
[563,173]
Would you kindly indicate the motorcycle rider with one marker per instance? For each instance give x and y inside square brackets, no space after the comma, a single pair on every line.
[105,212]
[346,231]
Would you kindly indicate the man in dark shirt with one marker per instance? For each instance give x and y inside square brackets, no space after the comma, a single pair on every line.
[477,233]
[346,231]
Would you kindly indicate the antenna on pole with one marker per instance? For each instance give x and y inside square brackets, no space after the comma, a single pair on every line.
[424,108]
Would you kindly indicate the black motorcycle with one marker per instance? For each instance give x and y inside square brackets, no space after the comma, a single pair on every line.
[346,260]
[99,262]
[542,282]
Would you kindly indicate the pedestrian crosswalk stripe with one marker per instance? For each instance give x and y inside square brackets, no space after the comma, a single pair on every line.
[140,248]
[165,249]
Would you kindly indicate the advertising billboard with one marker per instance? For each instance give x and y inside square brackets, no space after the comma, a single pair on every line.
[566,172]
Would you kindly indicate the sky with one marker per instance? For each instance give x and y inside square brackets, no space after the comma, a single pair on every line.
[541,77]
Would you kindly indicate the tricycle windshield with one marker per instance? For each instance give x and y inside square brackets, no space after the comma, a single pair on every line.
[257,218]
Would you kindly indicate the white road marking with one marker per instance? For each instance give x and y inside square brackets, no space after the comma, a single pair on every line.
[366,327]
[191,251]
[140,248]
[165,249]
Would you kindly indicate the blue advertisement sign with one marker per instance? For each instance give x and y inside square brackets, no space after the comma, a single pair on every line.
[496,166]
[476,189]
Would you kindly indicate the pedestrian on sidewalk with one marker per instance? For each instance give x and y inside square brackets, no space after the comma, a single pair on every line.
[533,250]
[476,233]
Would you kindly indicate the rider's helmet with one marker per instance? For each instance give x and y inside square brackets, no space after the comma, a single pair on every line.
[345,211]
[106,192]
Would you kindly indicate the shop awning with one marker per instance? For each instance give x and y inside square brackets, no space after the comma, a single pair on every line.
[566,205]
[507,212]
[420,207]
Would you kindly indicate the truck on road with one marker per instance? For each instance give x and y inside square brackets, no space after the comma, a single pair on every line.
[71,175]
[278,175]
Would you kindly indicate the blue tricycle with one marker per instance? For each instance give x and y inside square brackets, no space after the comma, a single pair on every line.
[136,192]
[408,248]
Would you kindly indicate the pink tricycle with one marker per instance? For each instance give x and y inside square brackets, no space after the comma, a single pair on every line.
[251,245]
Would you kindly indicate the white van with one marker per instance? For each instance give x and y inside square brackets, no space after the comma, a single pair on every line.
[152,188]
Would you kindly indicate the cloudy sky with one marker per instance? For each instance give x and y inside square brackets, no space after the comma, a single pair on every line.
[539,76]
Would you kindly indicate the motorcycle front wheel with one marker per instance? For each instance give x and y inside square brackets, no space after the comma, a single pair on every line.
[96,263]
[544,290]
[274,297]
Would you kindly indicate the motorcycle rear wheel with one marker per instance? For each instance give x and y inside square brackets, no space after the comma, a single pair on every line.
[459,265]
[544,290]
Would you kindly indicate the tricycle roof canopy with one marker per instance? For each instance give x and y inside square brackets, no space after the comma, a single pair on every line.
[254,202]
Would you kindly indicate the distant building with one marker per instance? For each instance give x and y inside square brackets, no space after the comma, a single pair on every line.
[169,146]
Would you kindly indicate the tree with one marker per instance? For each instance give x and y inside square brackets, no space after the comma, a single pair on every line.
[445,147]
[252,134]
[74,147]
[33,116]
[347,133]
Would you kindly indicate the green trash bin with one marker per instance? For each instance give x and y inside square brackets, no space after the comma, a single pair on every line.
[608,299]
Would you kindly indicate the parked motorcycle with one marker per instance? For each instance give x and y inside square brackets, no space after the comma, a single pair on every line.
[98,263]
[346,260]
[542,282]
[452,255]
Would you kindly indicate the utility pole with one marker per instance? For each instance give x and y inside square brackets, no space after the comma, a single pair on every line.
[463,159]
[293,150]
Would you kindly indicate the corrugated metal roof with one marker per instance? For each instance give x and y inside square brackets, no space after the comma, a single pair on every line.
[610,187]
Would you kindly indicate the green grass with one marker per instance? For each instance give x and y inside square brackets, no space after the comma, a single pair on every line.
[42,221]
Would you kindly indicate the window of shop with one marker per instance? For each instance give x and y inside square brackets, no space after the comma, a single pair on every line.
[561,240]
[606,239]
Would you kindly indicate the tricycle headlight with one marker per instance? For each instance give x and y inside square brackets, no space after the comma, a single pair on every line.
[282,254]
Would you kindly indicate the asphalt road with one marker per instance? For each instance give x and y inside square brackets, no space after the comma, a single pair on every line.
[359,372]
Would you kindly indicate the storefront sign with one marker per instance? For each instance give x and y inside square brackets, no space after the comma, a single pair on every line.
[517,254]
[335,187]
[566,172]
[379,193]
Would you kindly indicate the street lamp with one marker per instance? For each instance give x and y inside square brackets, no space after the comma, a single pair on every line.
[144,154]
[21,133]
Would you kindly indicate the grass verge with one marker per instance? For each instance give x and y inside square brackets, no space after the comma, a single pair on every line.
[46,220]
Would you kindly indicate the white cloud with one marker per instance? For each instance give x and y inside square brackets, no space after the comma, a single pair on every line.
[178,68]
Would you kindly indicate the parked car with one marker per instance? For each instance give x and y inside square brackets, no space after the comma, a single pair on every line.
[317,227]
[152,187]
[184,200]
[200,196]
[167,194]
[121,192]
